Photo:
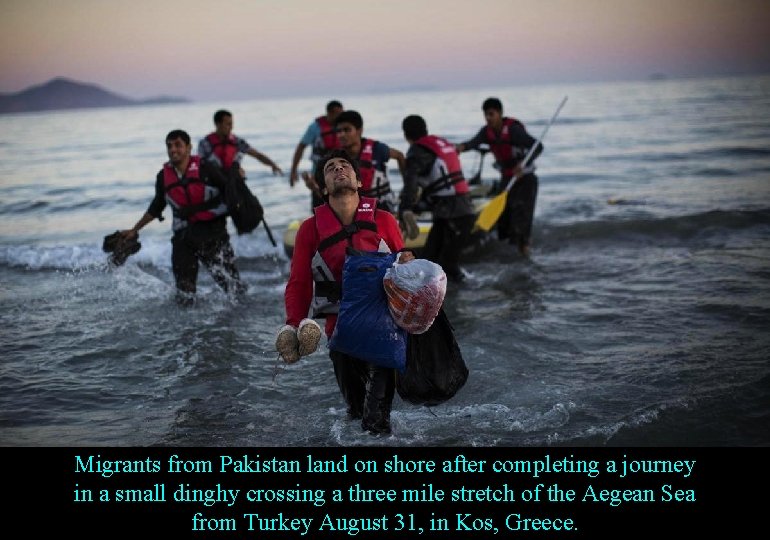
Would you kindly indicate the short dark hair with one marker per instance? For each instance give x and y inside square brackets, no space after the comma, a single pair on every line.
[178,134]
[492,103]
[350,117]
[337,153]
[220,115]
[333,104]
[414,127]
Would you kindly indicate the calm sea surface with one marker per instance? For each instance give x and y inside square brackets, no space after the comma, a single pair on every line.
[641,319]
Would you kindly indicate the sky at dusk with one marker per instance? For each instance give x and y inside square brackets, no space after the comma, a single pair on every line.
[244,49]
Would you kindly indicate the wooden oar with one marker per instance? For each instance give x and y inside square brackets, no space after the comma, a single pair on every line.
[492,211]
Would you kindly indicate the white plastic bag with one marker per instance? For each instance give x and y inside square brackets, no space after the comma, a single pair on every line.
[415,292]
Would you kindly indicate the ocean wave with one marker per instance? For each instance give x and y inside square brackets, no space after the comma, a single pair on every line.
[643,229]
[63,191]
[715,172]
[28,207]
[614,433]
[35,257]
[691,155]
[733,152]
[22,207]
[251,250]
[573,178]
[97,203]
[575,121]
[693,421]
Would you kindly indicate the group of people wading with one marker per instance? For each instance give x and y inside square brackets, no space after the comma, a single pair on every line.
[353,205]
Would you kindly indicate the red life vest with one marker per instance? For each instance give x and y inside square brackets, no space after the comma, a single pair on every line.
[366,167]
[329,257]
[190,197]
[226,150]
[374,182]
[446,178]
[502,146]
[328,134]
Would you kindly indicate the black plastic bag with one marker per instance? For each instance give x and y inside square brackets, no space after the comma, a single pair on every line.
[435,369]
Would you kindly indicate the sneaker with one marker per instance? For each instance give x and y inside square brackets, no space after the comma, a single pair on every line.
[287,344]
[308,335]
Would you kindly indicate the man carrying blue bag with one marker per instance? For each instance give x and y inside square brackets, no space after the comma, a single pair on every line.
[314,288]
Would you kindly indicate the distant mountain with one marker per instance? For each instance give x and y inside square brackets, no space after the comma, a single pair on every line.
[63,93]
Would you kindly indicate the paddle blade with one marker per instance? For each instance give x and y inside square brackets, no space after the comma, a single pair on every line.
[491,212]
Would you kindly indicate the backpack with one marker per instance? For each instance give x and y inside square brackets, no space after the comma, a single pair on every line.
[242,204]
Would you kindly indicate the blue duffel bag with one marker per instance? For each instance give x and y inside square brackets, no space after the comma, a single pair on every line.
[365,328]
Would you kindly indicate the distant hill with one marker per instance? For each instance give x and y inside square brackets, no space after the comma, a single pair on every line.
[63,93]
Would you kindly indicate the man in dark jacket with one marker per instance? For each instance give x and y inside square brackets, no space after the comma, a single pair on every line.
[509,142]
[434,176]
[193,188]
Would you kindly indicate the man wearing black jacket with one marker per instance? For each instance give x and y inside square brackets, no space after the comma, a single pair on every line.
[433,176]
[509,142]
[193,189]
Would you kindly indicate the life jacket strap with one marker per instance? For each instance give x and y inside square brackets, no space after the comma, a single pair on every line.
[187,211]
[346,232]
[444,181]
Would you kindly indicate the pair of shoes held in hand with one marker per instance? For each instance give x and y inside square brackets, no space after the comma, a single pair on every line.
[294,343]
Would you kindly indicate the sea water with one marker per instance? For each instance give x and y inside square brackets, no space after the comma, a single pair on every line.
[641,317]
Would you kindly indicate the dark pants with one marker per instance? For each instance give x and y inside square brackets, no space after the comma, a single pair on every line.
[446,239]
[368,390]
[515,224]
[216,254]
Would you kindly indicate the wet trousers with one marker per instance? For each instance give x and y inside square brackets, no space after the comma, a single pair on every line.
[216,254]
[368,390]
[446,239]
[515,224]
